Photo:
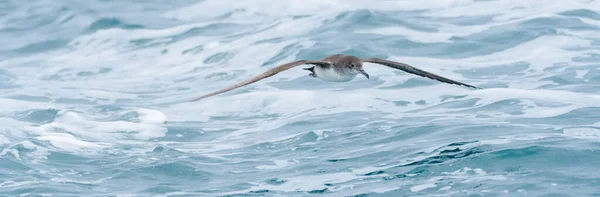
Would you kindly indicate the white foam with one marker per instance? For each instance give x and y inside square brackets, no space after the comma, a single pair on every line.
[509,9]
[581,73]
[312,103]
[569,100]
[259,9]
[308,183]
[278,165]
[463,175]
[418,188]
[3,139]
[14,135]
[443,35]
[10,183]
[68,142]
[11,129]
[534,51]
[495,141]
[467,174]
[111,96]
[385,189]
[71,132]
[10,106]
[150,116]
[67,180]
[583,133]
[13,152]
[108,39]
[445,188]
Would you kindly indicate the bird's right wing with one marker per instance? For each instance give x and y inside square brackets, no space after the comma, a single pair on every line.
[266,74]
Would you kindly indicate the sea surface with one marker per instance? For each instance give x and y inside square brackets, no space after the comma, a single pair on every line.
[95,98]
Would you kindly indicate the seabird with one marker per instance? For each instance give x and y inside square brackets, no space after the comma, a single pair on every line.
[339,68]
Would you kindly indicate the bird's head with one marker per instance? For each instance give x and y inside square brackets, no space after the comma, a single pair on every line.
[354,64]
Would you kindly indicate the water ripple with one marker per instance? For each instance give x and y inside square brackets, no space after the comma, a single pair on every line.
[95,99]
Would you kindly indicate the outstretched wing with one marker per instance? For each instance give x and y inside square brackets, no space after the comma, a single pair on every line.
[266,74]
[416,71]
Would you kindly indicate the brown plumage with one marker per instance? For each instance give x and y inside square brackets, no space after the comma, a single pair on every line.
[339,68]
[269,73]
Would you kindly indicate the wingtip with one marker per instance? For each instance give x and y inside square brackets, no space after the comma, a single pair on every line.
[470,86]
[475,87]
[197,99]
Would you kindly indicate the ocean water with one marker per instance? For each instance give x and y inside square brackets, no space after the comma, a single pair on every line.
[95,98]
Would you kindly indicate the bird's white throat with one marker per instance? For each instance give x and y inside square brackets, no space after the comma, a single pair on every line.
[330,74]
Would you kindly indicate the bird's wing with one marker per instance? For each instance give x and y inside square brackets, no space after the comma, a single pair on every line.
[266,74]
[416,71]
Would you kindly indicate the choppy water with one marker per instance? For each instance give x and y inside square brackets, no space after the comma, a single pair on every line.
[94,98]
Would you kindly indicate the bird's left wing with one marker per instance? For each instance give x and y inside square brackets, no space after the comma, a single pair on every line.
[266,74]
[410,69]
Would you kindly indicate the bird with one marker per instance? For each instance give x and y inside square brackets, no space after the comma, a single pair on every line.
[338,68]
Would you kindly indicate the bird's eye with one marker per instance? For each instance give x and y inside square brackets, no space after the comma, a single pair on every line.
[351,65]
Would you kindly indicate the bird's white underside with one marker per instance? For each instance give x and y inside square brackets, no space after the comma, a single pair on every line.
[329,74]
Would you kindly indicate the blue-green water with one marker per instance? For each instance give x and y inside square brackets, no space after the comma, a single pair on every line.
[95,99]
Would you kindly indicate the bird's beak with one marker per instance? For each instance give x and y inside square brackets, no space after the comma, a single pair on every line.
[364,73]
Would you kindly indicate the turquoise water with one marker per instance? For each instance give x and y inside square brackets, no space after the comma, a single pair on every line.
[95,99]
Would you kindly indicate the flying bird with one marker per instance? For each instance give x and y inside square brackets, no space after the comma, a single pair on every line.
[338,68]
